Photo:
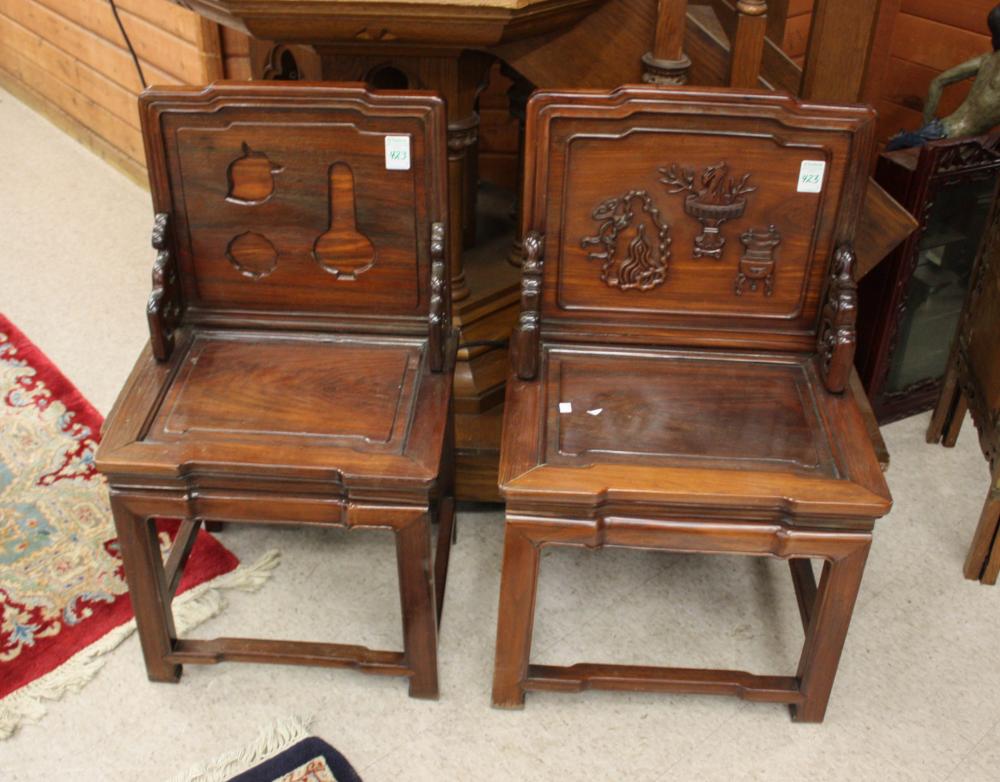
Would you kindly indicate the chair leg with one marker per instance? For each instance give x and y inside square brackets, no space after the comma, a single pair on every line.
[446,536]
[416,594]
[147,590]
[516,616]
[955,422]
[829,621]
[983,551]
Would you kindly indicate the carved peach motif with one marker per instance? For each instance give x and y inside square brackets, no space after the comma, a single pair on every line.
[251,177]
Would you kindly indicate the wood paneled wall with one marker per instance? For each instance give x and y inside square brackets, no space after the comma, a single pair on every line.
[68,60]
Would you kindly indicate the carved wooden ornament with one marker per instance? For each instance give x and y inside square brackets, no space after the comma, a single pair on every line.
[163,308]
[757,263]
[644,265]
[712,198]
[837,335]
[525,343]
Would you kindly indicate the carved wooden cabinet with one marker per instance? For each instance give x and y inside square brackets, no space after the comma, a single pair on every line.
[910,303]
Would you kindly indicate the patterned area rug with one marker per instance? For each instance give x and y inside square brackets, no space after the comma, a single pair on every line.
[63,597]
[285,752]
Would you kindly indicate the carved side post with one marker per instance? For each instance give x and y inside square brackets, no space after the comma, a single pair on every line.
[837,335]
[748,44]
[440,301]
[164,305]
[667,63]
[524,341]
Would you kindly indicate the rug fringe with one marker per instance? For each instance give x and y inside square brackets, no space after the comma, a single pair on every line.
[271,741]
[27,705]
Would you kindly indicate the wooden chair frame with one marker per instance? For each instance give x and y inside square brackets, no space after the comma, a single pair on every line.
[194,436]
[597,493]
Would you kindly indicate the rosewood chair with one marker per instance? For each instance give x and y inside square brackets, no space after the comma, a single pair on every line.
[681,364]
[972,383]
[300,361]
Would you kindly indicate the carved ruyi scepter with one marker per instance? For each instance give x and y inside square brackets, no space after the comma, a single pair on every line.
[524,341]
[837,335]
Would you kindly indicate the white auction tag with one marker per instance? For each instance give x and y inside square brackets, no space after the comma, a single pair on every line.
[811,176]
[565,407]
[397,153]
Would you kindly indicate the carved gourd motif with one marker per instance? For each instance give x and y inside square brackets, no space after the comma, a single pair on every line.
[644,265]
[343,250]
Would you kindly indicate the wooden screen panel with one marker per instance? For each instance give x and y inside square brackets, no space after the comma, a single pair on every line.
[677,217]
[284,206]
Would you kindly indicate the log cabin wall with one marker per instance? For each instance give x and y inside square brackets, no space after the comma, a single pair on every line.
[68,60]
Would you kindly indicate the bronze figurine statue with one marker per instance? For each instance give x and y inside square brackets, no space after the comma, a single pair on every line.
[979,112]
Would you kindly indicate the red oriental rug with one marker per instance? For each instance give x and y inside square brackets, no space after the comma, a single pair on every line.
[63,597]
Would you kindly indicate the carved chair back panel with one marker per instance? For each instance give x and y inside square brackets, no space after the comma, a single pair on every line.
[300,204]
[687,217]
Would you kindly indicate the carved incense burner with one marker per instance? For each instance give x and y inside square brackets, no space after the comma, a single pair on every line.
[713,200]
[757,263]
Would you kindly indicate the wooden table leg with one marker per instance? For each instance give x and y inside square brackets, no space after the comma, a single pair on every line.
[148,588]
[518,587]
[416,594]
[829,621]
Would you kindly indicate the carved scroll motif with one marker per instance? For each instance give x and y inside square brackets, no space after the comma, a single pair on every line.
[837,336]
[644,265]
[712,198]
[525,342]
[438,315]
[164,305]
[757,263]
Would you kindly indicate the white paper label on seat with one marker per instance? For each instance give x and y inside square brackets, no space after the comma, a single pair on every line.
[565,407]
[811,176]
[397,153]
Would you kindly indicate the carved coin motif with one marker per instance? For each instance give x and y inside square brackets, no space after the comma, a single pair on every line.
[252,254]
[644,265]
[251,177]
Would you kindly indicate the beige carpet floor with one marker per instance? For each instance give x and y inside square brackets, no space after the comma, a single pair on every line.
[916,696]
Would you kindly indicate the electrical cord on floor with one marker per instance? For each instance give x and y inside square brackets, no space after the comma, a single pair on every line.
[128,43]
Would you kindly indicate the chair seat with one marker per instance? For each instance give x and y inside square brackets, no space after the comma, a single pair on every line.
[672,429]
[339,411]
